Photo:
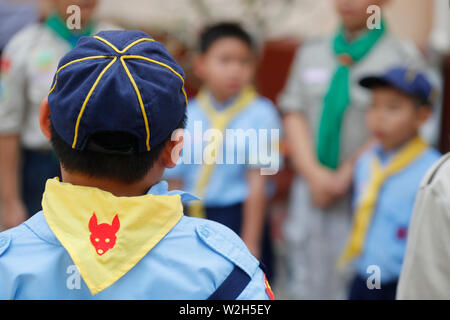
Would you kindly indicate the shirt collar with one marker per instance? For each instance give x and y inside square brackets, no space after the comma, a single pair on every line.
[39,226]
[162,188]
[220,106]
[385,156]
[106,235]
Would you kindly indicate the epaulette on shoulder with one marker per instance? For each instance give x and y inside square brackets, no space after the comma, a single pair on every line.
[225,242]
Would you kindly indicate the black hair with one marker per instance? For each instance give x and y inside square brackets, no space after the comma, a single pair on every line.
[128,167]
[224,30]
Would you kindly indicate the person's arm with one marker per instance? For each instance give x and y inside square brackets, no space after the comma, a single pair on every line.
[13,212]
[299,140]
[324,187]
[254,211]
[321,180]
[260,166]
[12,110]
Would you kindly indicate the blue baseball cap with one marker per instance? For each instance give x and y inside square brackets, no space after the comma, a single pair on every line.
[407,80]
[117,81]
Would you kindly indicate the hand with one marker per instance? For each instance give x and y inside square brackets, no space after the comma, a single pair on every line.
[344,177]
[326,186]
[13,214]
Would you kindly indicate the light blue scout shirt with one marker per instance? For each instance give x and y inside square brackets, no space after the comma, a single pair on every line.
[190,262]
[385,242]
[228,183]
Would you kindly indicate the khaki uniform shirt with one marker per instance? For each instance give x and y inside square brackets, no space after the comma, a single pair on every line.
[311,73]
[29,63]
[426,268]
[315,237]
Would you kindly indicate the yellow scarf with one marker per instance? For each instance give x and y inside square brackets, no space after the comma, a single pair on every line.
[106,235]
[367,205]
[218,120]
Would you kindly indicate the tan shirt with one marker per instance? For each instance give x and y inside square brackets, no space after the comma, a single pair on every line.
[426,267]
[311,73]
[31,57]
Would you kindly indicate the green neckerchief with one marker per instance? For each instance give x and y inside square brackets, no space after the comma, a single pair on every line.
[337,98]
[58,25]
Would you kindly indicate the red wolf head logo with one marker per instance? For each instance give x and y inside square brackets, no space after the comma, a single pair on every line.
[103,236]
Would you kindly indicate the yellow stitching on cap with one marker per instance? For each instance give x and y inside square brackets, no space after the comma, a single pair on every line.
[143,58]
[161,64]
[141,104]
[87,99]
[69,63]
[124,49]
[144,115]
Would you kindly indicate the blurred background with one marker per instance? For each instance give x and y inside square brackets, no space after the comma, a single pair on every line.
[279,27]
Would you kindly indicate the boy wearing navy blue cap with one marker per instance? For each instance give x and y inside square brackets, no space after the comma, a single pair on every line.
[386,180]
[115,101]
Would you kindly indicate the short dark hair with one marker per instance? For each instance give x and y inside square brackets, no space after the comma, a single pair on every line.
[221,30]
[127,168]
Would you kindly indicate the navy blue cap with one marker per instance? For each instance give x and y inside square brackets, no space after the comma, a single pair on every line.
[407,80]
[117,81]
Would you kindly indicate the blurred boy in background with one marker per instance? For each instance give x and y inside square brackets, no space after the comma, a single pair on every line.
[324,109]
[233,193]
[29,62]
[386,179]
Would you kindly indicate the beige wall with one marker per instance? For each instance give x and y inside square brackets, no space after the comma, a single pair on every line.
[300,18]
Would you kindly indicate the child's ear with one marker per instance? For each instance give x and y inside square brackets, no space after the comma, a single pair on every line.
[198,64]
[423,114]
[172,150]
[44,118]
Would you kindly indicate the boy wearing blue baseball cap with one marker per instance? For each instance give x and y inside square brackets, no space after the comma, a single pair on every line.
[386,180]
[111,229]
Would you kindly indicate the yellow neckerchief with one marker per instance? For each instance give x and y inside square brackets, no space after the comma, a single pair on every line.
[367,205]
[218,120]
[106,235]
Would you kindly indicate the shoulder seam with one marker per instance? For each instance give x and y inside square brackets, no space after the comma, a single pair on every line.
[5,241]
[436,169]
[40,237]
[12,236]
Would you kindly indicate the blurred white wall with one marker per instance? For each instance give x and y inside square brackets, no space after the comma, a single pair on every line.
[281,18]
